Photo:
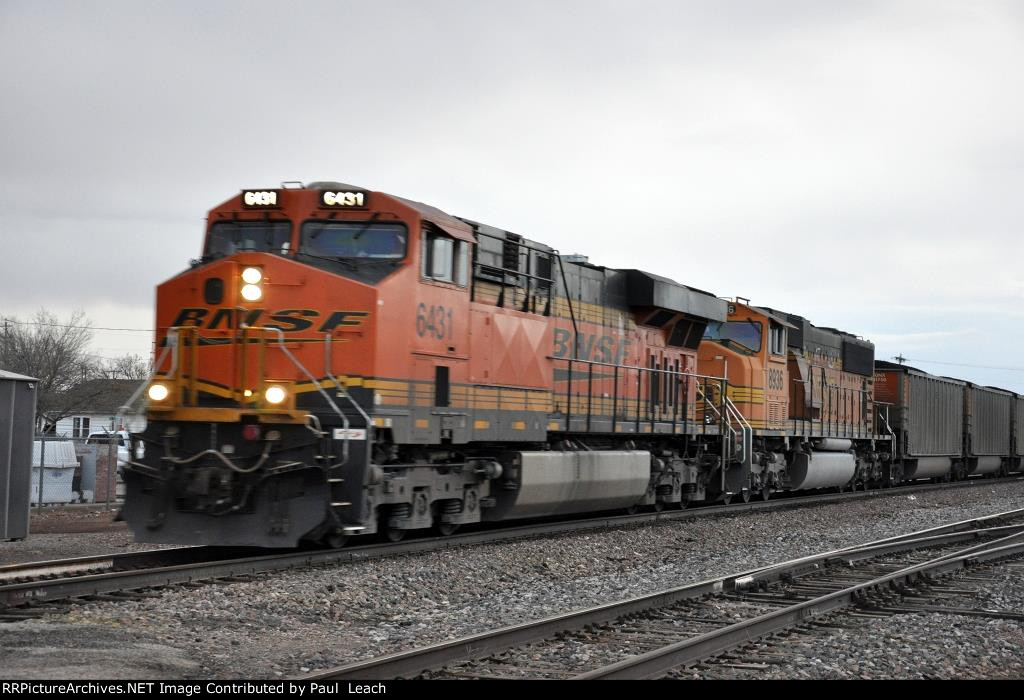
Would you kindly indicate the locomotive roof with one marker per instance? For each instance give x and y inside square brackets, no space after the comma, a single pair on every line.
[452,226]
[773,315]
[449,224]
[804,325]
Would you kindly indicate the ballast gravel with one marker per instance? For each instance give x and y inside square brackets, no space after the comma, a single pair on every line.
[290,623]
[922,645]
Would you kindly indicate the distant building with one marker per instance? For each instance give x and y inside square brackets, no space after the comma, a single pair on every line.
[97,403]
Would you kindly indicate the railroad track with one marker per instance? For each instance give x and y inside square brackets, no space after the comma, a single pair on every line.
[654,635]
[32,589]
[952,594]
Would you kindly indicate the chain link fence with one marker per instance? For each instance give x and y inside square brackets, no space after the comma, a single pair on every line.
[76,470]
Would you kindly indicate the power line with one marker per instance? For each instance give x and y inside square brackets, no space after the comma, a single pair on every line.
[962,364]
[66,325]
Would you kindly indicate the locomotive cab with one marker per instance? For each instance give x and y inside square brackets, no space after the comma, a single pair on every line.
[749,349]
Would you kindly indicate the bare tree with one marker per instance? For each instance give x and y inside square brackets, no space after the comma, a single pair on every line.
[133,367]
[55,352]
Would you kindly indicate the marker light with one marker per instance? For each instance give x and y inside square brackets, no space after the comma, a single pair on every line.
[251,292]
[274,395]
[158,392]
[252,275]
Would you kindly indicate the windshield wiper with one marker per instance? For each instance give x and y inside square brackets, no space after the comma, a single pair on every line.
[349,262]
[362,229]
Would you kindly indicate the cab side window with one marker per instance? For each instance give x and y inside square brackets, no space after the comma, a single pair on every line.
[443,258]
[777,339]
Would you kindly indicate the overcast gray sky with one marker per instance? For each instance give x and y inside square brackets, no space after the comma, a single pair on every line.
[859,163]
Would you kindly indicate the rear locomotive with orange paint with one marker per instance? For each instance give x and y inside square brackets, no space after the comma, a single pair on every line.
[806,396]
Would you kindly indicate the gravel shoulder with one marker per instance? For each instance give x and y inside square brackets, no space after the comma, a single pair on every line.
[295,621]
[61,532]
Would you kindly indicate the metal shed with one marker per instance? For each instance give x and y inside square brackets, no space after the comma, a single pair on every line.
[17,426]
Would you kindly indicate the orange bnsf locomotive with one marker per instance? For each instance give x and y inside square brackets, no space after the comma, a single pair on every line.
[344,362]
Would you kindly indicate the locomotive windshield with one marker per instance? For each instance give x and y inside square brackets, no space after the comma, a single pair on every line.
[230,237]
[353,239]
[744,336]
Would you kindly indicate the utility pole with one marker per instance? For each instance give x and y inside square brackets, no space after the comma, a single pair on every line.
[899,358]
[111,466]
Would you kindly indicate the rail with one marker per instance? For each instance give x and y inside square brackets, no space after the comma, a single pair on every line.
[654,663]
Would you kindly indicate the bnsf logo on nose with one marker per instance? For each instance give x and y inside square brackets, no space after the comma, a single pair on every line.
[285,319]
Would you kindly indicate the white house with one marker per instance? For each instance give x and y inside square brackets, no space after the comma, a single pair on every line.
[99,401]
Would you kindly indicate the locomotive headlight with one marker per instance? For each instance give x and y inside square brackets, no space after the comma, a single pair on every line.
[158,392]
[252,292]
[252,275]
[275,395]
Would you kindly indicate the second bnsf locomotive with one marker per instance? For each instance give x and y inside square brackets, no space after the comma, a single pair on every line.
[346,362]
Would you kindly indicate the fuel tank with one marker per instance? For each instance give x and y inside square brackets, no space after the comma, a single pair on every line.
[821,470]
[557,483]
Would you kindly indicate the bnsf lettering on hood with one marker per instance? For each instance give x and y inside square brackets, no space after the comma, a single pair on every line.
[288,320]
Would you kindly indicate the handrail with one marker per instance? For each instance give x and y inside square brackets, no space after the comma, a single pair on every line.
[572,313]
[727,445]
[657,370]
[888,428]
[302,368]
[620,397]
[520,244]
[745,429]
[173,346]
[708,403]
[127,406]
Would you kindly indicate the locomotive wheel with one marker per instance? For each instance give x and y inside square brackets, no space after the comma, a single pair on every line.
[727,499]
[658,506]
[682,505]
[446,529]
[394,534]
[745,495]
[766,493]
[336,540]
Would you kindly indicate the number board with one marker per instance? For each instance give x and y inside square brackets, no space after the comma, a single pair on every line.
[344,199]
[260,199]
